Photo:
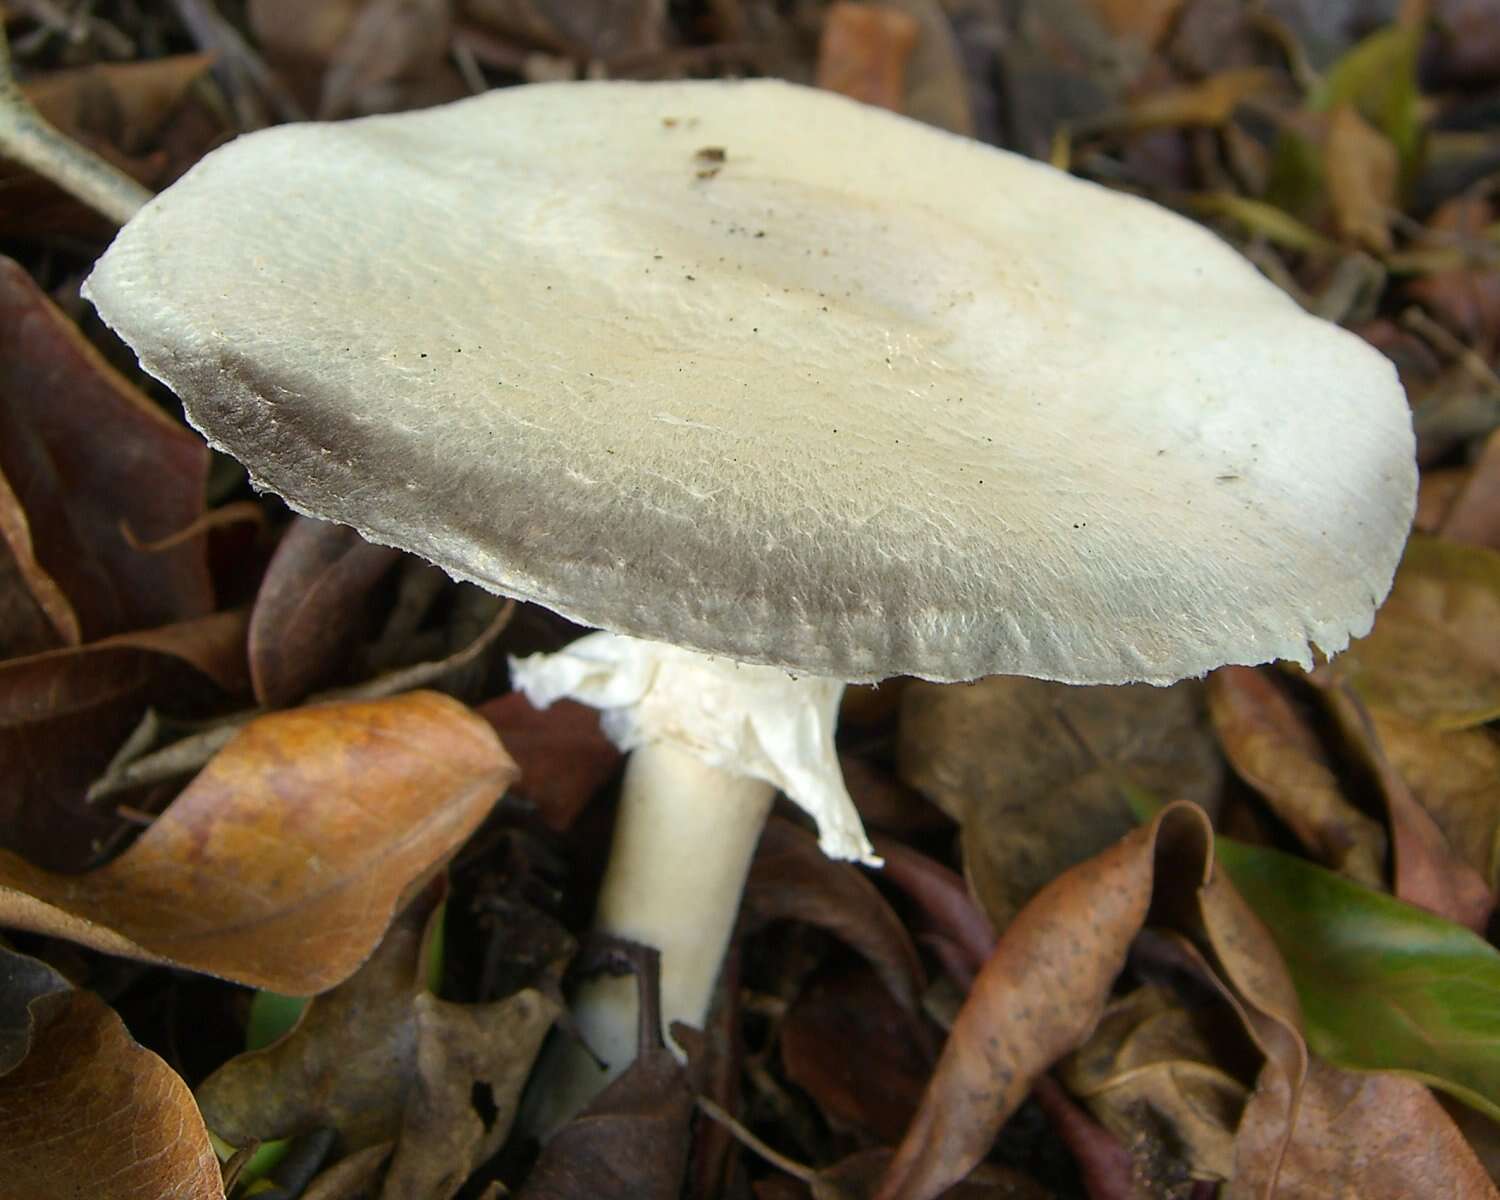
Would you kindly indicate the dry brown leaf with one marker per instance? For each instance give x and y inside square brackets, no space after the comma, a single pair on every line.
[563,755]
[348,1062]
[937,84]
[354,1177]
[389,42]
[791,879]
[1474,515]
[1045,985]
[1031,770]
[1361,167]
[306,614]
[1274,751]
[64,713]
[281,863]
[856,1052]
[1376,1137]
[1147,1072]
[863,53]
[1433,655]
[464,1051]
[86,455]
[117,105]
[1210,103]
[85,1110]
[34,613]
[1427,870]
[588,30]
[1464,297]
[1146,21]
[1455,777]
[1437,491]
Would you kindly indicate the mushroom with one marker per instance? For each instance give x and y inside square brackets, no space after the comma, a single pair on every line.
[781,392]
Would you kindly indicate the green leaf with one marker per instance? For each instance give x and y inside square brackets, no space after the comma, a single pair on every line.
[271,1016]
[1384,986]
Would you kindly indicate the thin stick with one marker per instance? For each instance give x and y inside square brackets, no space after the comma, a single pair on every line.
[27,137]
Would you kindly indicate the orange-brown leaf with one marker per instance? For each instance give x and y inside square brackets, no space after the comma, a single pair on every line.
[281,863]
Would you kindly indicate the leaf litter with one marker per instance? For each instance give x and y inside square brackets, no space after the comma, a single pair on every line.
[1038,996]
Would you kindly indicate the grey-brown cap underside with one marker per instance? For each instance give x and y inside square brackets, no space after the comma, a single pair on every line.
[756,370]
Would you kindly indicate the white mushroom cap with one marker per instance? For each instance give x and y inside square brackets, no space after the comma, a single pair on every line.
[862,398]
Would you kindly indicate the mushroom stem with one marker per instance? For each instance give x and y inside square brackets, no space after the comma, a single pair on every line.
[684,838]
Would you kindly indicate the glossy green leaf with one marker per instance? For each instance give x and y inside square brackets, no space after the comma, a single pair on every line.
[1384,986]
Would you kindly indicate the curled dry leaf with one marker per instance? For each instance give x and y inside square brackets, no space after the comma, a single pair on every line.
[1274,751]
[304,622]
[64,713]
[791,879]
[281,863]
[84,1109]
[85,453]
[1433,655]
[1031,770]
[1045,985]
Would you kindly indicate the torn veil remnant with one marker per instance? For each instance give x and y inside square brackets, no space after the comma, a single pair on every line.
[863,399]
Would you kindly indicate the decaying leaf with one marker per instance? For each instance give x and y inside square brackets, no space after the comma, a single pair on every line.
[1432,654]
[34,613]
[1031,770]
[471,1063]
[84,1109]
[88,457]
[1275,752]
[1149,1069]
[281,863]
[1473,516]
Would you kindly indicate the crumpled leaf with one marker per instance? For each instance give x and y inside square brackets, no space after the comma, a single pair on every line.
[464,1051]
[84,1109]
[1384,986]
[1030,769]
[1045,985]
[1149,1064]
[305,618]
[347,1062]
[281,863]
[87,456]
[791,879]
[65,712]
[1433,655]
[863,53]
[1274,751]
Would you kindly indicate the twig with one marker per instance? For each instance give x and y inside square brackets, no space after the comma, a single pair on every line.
[26,137]
[747,1139]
